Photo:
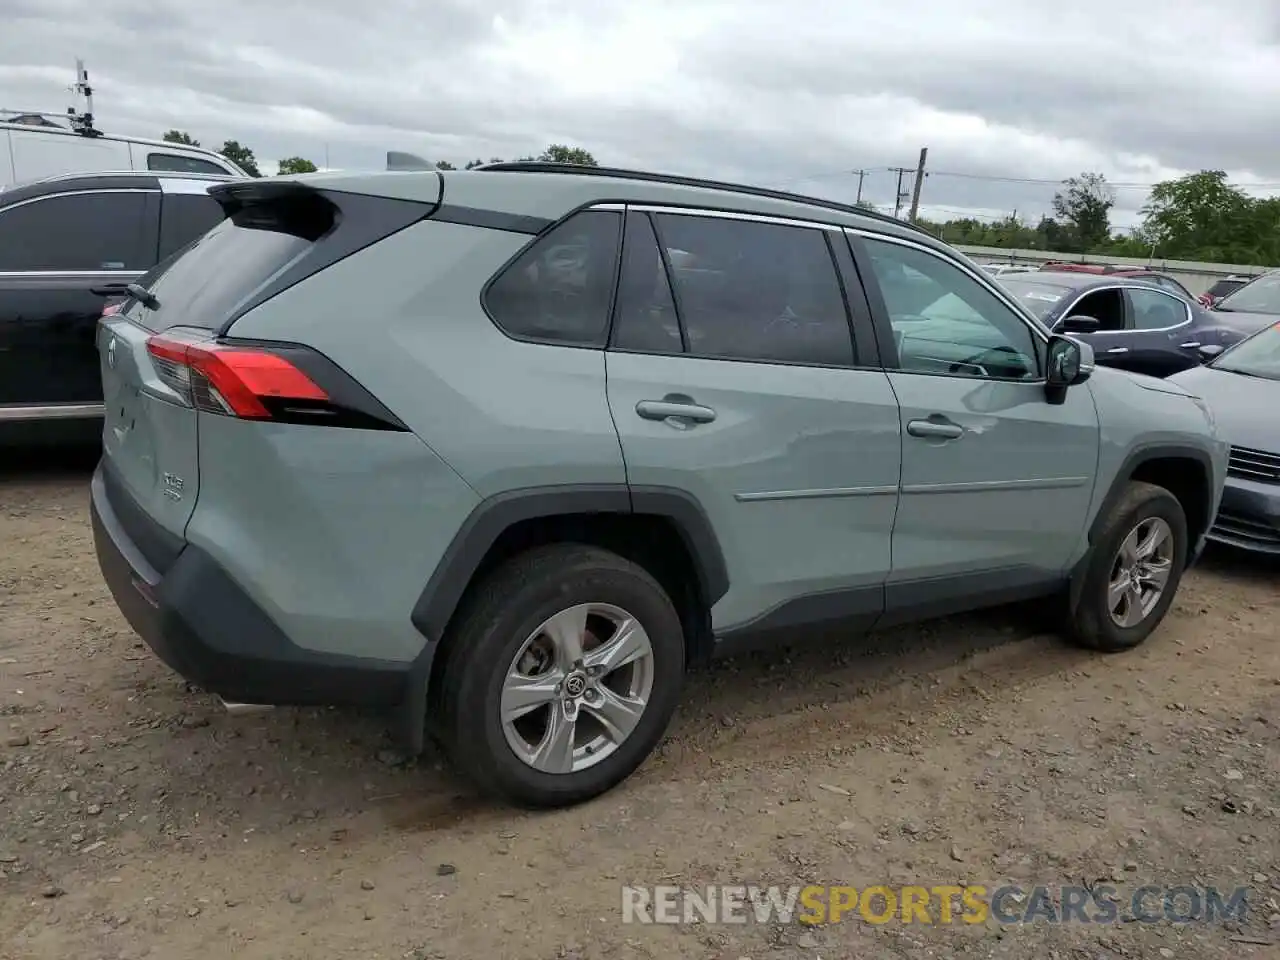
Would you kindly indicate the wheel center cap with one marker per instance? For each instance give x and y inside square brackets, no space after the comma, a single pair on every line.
[575,684]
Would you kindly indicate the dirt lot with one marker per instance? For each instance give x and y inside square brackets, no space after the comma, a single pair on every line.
[137,819]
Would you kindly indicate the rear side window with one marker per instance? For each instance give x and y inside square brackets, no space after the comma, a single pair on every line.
[646,320]
[744,290]
[559,289]
[80,232]
[184,217]
[179,164]
[203,284]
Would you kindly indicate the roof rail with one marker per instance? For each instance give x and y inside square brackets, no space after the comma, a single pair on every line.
[541,166]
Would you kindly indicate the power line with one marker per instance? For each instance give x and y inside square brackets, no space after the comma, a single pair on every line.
[994,178]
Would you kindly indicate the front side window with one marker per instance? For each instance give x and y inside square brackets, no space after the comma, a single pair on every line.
[559,289]
[946,322]
[1154,310]
[78,232]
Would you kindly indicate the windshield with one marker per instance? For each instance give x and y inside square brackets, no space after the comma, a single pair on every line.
[1259,296]
[1258,356]
[1039,298]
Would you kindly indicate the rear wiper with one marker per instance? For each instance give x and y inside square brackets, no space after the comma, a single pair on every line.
[143,296]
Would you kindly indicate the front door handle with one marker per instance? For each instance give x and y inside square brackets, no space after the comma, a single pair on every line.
[1118,350]
[1190,344]
[110,290]
[935,429]
[673,410]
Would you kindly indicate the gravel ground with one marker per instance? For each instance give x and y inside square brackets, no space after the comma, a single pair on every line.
[138,820]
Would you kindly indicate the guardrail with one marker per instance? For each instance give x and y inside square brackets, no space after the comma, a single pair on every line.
[1195,276]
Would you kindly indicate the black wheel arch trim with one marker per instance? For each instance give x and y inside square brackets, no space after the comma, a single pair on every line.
[1136,458]
[487,522]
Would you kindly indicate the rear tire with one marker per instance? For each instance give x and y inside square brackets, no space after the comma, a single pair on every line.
[506,644]
[1118,608]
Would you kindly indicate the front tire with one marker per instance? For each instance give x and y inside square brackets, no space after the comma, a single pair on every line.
[1134,571]
[563,670]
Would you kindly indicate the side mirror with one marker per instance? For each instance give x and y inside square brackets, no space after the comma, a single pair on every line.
[1069,362]
[1209,351]
[1080,324]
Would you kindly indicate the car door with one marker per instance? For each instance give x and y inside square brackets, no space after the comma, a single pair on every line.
[733,375]
[996,481]
[61,256]
[1162,341]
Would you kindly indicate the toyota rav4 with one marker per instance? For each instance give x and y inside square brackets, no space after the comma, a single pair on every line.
[509,449]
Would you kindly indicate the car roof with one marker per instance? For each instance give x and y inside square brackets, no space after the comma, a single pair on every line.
[548,191]
[1081,281]
[113,180]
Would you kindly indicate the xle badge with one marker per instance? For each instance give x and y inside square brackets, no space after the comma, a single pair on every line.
[172,486]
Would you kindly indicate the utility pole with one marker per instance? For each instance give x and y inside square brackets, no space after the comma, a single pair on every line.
[861,174]
[915,193]
[899,196]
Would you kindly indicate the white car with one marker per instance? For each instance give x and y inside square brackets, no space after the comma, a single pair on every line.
[30,151]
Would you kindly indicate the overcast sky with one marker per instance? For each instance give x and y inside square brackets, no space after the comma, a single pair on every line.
[792,93]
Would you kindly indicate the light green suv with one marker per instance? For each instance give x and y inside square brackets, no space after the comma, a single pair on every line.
[508,449]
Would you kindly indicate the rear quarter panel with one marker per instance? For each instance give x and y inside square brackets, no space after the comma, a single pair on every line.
[404,318]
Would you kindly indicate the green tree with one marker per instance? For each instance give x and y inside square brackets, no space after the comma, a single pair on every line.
[180,136]
[292,165]
[559,153]
[1085,203]
[241,156]
[445,165]
[1203,217]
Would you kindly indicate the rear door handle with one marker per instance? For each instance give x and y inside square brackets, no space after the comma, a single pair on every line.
[672,410]
[1118,350]
[935,429]
[1190,344]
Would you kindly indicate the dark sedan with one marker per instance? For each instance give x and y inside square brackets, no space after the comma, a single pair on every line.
[1131,324]
[1242,387]
[69,246]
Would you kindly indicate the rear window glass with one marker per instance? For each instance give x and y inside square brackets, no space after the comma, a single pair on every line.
[203,284]
[173,163]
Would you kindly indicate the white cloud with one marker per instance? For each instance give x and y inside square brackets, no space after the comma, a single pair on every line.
[796,93]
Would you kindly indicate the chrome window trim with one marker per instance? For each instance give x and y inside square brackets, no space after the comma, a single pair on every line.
[75,193]
[76,274]
[716,213]
[1186,309]
[14,413]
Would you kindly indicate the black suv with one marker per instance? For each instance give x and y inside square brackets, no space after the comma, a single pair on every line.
[68,246]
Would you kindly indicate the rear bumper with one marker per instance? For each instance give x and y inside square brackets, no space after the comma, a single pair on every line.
[210,631]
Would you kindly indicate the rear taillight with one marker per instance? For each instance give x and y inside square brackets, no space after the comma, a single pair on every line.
[254,381]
